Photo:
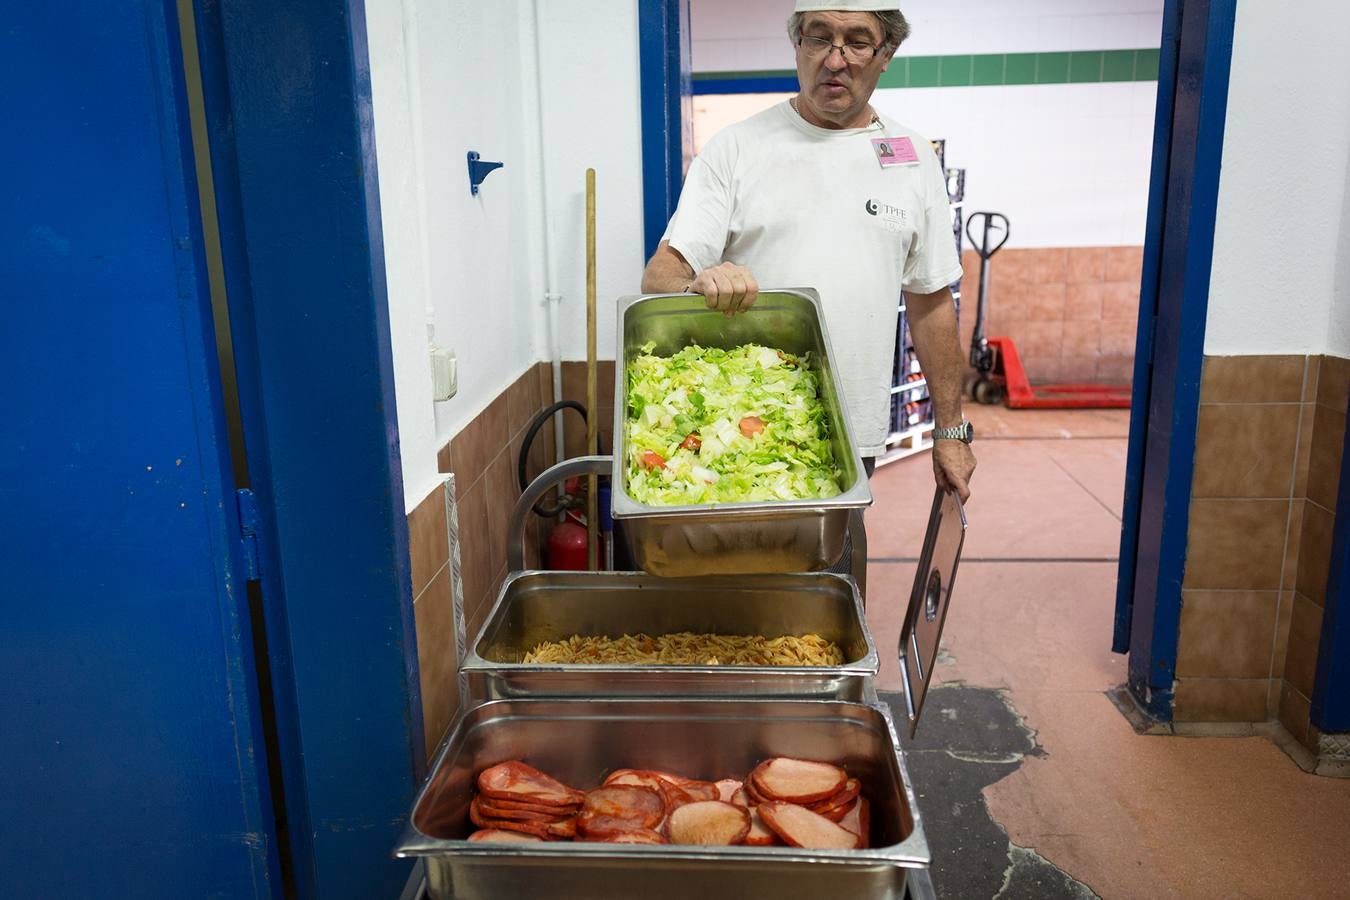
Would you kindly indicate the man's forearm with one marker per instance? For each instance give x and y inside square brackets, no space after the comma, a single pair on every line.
[666,272]
[932,325]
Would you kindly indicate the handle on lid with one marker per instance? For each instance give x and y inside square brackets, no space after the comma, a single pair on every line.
[929,599]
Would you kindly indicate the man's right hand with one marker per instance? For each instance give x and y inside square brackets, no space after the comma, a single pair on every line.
[728,288]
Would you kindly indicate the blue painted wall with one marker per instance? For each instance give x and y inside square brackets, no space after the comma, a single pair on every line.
[130,728]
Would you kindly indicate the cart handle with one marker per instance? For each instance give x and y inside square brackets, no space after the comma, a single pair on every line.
[568,468]
[994,222]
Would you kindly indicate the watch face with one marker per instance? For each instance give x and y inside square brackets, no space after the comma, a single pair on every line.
[970,433]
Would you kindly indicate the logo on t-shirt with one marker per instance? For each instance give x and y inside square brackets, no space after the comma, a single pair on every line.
[891,218]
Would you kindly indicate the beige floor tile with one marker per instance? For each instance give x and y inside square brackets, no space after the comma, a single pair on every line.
[1129,815]
[1141,816]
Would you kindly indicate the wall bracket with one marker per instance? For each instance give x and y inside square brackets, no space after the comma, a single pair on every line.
[478,170]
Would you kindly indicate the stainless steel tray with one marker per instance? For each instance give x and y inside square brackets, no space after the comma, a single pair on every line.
[579,741]
[735,538]
[547,606]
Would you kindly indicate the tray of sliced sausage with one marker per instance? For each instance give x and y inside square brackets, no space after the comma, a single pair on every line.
[703,798]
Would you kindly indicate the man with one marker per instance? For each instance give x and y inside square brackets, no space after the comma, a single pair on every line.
[802,195]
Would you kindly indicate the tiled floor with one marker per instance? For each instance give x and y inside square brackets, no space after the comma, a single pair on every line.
[1127,815]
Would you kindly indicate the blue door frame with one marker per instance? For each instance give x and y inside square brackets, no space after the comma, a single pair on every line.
[1148,311]
[1174,298]
[1331,689]
[667,84]
[291,134]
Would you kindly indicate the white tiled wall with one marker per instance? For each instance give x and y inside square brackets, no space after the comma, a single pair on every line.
[750,34]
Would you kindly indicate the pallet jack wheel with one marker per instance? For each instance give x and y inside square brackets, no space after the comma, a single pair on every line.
[987,391]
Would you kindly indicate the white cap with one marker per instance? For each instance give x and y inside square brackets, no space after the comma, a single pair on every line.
[847,6]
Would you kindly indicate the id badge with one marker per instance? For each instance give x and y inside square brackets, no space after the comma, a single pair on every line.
[895,151]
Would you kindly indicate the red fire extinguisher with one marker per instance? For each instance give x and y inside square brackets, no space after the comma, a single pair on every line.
[567,540]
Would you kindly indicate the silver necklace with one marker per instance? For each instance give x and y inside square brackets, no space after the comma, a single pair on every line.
[875,120]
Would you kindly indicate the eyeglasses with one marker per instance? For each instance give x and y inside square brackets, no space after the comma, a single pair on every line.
[856,52]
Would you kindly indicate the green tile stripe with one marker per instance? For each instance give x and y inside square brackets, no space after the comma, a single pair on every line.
[745,74]
[1076,67]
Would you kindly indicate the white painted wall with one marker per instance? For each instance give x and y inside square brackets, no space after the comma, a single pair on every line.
[452,76]
[403,252]
[593,119]
[1068,164]
[1281,275]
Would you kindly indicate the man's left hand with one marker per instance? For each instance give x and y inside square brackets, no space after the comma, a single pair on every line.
[953,464]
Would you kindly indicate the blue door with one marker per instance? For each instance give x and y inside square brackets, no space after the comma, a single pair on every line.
[129,714]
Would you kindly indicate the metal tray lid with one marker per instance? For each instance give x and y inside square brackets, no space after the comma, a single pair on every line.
[929,600]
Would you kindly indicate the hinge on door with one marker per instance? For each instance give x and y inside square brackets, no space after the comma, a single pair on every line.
[248,531]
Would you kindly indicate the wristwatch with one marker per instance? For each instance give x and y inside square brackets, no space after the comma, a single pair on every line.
[964,432]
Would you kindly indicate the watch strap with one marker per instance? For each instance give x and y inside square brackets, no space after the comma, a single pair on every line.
[954,433]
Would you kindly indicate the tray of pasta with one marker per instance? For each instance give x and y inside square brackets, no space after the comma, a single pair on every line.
[630,634]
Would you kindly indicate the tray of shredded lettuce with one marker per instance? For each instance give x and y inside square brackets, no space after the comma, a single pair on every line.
[708,425]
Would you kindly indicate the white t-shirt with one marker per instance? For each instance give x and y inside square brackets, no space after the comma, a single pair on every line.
[801,206]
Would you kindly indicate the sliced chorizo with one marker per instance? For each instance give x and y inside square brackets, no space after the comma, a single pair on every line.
[726,789]
[594,826]
[859,821]
[503,836]
[634,803]
[639,777]
[799,827]
[564,829]
[677,795]
[797,780]
[553,809]
[760,835]
[708,822]
[538,829]
[514,780]
[636,836]
[489,810]
[837,806]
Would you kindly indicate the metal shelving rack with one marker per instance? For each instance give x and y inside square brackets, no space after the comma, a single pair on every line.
[911,407]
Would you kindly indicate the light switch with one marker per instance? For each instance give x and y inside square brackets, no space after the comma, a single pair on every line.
[444,374]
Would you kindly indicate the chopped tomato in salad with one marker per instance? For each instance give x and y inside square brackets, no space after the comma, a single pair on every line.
[707,425]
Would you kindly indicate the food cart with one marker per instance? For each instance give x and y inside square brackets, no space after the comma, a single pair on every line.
[746,568]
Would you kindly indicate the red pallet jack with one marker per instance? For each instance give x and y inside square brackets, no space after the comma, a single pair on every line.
[999,371]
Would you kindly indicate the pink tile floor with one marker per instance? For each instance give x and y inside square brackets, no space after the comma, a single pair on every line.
[1129,815]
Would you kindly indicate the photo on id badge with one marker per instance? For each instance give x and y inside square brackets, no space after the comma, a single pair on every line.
[895,151]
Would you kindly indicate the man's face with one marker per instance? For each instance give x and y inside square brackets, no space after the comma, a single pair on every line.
[835,91]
